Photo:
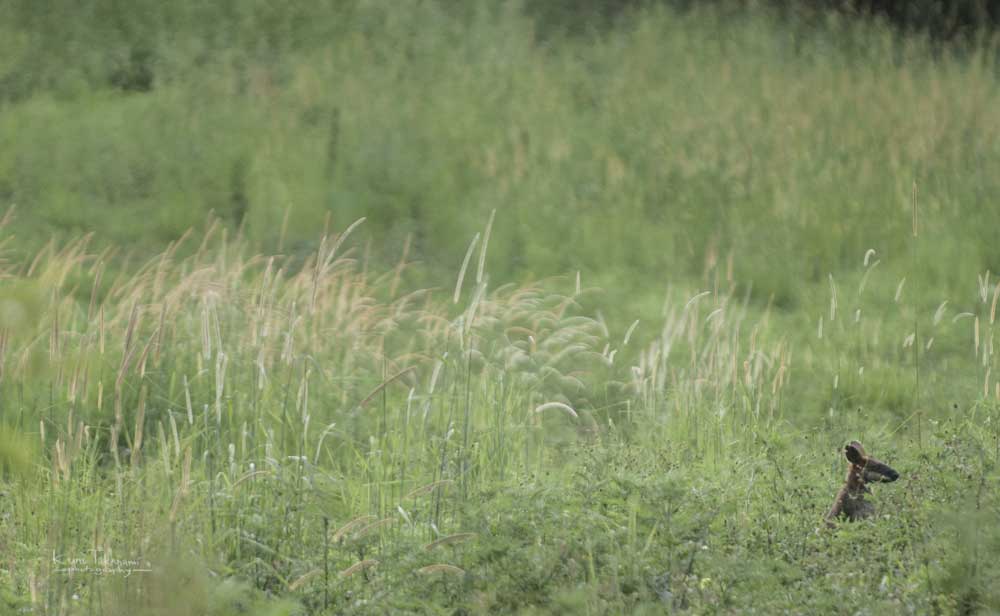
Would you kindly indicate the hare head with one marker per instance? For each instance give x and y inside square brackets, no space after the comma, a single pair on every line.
[868,468]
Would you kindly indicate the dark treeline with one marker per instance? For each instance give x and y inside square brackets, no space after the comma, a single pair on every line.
[941,20]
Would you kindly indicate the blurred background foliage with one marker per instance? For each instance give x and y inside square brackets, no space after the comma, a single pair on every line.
[639,142]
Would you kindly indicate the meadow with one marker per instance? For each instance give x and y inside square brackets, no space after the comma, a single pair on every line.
[415,307]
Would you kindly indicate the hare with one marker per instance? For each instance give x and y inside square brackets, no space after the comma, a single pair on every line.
[850,501]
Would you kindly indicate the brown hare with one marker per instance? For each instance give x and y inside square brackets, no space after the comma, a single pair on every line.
[850,501]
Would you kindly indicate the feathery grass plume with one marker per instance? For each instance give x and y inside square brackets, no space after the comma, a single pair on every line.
[993,306]
[427,489]
[866,276]
[183,488]
[939,313]
[482,251]
[371,528]
[628,334]
[984,286]
[450,539]
[347,528]
[304,579]
[557,405]
[140,420]
[359,566]
[465,265]
[833,299]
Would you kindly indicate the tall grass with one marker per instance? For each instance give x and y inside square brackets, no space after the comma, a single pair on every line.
[294,410]
[213,399]
[321,433]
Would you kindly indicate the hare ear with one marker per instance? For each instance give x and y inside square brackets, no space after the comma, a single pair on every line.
[855,452]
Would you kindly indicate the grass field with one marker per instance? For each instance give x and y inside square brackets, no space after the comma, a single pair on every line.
[410,307]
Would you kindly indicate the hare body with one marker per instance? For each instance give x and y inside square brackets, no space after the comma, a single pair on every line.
[850,501]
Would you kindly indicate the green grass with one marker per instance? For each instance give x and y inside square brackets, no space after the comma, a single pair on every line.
[629,155]
[361,424]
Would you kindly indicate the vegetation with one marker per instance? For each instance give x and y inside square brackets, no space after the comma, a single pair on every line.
[480,317]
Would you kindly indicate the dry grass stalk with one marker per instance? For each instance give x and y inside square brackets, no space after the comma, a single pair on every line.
[450,539]
[359,566]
